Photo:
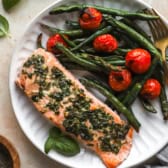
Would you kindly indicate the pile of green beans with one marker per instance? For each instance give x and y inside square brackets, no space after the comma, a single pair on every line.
[80,54]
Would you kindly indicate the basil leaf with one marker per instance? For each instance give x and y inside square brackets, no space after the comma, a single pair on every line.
[61,143]
[4,26]
[8,4]
[49,144]
[55,132]
[66,146]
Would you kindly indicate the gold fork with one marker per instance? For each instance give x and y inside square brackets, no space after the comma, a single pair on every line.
[160,36]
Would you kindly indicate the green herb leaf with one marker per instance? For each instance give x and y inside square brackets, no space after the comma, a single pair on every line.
[8,4]
[4,26]
[49,144]
[66,146]
[61,143]
[55,132]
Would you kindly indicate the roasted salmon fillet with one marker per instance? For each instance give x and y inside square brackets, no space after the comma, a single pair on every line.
[63,100]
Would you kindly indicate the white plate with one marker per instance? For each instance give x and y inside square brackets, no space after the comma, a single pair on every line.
[153,134]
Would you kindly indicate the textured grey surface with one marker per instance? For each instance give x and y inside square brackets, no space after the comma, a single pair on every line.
[161,160]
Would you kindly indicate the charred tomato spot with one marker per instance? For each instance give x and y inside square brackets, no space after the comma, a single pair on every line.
[130,63]
[120,80]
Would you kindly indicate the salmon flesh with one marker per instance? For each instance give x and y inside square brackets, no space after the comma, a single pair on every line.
[63,100]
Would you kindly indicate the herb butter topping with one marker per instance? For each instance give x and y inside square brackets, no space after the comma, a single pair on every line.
[79,118]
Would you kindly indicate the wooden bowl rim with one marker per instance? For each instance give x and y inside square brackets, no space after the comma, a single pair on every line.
[13,153]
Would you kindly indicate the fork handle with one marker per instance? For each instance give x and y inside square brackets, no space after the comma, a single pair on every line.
[163,51]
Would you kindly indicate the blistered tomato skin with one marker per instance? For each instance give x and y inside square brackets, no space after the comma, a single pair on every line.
[105,43]
[151,89]
[52,41]
[120,80]
[138,60]
[90,19]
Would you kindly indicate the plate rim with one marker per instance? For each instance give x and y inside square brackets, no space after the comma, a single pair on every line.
[10,84]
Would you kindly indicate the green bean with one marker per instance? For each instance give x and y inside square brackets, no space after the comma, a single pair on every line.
[102,25]
[164,103]
[128,42]
[115,102]
[129,99]
[117,62]
[136,27]
[70,33]
[92,37]
[137,37]
[121,96]
[75,58]
[66,61]
[73,66]
[121,51]
[147,105]
[117,52]
[78,40]
[163,97]
[109,65]
[116,12]
[112,60]
[106,58]
[90,50]
[105,64]
[72,24]
[63,58]
[69,42]
[124,40]
[72,44]
[39,41]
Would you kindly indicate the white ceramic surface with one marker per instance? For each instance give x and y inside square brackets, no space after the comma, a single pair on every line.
[153,134]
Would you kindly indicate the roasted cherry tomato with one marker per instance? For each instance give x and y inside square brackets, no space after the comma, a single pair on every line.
[120,80]
[90,19]
[151,89]
[52,41]
[138,60]
[105,43]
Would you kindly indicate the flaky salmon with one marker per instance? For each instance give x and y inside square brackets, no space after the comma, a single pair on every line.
[63,100]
